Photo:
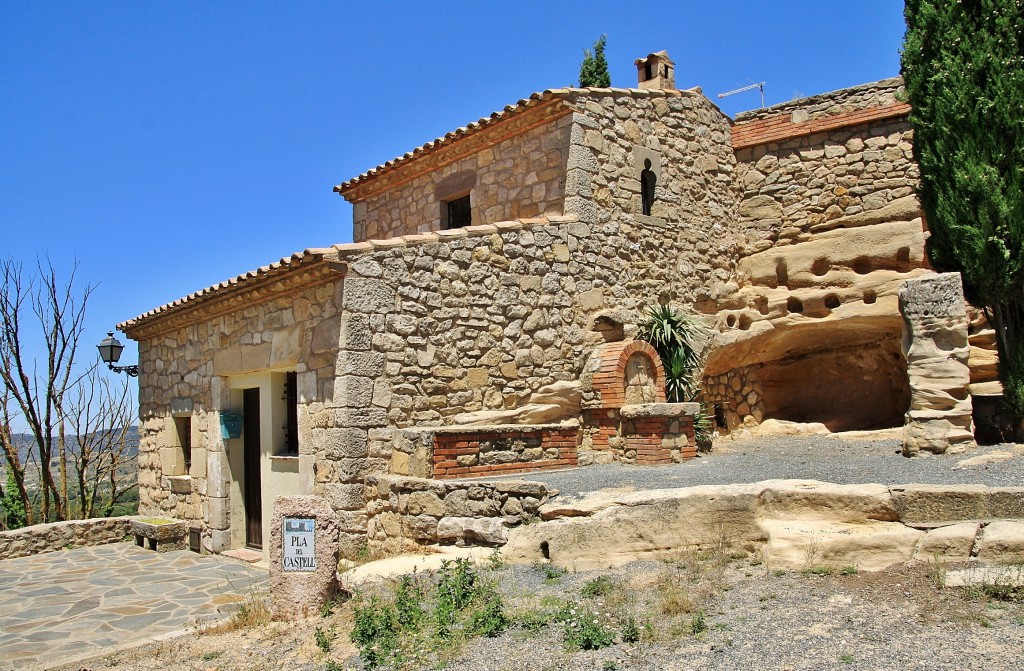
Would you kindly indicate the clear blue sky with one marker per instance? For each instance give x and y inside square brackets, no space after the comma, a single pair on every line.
[170,145]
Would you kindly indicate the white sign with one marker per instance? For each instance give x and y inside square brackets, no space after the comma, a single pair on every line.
[299,545]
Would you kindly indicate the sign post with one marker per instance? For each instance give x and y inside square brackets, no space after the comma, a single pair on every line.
[299,544]
[303,556]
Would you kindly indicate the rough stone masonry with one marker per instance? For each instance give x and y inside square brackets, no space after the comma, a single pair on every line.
[791,229]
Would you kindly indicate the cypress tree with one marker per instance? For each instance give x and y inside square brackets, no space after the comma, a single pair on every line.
[963,66]
[594,69]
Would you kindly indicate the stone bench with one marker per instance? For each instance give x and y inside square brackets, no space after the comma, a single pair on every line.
[160,533]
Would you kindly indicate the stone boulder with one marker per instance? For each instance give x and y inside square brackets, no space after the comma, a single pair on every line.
[1002,542]
[551,404]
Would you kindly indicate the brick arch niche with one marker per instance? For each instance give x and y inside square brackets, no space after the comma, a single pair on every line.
[626,373]
[621,373]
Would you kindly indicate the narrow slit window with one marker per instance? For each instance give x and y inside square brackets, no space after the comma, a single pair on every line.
[291,429]
[648,182]
[184,427]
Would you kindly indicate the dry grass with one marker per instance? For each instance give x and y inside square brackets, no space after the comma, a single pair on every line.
[252,612]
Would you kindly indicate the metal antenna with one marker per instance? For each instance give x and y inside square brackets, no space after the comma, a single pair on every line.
[759,85]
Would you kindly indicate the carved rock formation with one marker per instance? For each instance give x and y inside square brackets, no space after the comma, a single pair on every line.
[937,351]
[553,403]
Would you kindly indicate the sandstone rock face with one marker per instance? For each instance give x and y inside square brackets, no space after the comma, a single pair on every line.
[808,325]
[937,351]
[870,546]
[1002,542]
[931,505]
[556,402]
[954,542]
[793,524]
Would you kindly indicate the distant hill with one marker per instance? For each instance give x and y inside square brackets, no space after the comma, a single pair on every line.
[26,443]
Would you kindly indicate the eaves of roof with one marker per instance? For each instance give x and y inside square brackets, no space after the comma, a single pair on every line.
[298,271]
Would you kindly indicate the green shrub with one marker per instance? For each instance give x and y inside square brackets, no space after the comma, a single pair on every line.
[630,630]
[456,587]
[599,586]
[375,631]
[698,624]
[324,638]
[552,573]
[490,619]
[585,629]
[409,596]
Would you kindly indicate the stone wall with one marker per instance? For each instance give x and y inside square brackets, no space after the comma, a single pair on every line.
[874,94]
[406,512]
[55,536]
[657,433]
[586,164]
[421,328]
[687,139]
[522,176]
[733,396]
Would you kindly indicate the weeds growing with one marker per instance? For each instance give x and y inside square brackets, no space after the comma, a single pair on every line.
[427,618]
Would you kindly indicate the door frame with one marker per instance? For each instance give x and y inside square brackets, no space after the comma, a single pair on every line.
[269,383]
[252,475]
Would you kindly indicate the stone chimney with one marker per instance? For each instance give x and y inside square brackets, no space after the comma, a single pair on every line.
[657,71]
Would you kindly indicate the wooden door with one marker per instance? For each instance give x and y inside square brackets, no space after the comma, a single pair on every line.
[252,487]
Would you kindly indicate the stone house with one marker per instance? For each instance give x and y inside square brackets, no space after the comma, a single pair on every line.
[498,261]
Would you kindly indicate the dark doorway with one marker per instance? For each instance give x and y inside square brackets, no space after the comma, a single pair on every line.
[252,490]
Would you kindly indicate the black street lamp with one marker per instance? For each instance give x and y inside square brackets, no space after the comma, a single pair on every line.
[110,352]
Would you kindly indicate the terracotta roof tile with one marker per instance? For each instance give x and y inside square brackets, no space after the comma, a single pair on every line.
[279,267]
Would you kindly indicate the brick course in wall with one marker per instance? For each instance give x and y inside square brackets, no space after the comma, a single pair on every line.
[462,454]
[783,127]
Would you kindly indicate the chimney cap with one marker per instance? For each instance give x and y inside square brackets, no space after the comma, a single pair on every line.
[657,55]
[656,71]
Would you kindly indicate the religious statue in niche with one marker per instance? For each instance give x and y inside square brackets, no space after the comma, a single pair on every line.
[640,380]
[648,180]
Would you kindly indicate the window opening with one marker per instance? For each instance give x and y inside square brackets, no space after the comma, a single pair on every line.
[648,180]
[184,427]
[291,427]
[460,213]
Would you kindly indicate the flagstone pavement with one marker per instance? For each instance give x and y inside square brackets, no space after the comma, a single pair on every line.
[59,607]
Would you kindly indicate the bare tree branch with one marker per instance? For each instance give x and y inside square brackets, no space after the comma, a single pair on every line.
[41,392]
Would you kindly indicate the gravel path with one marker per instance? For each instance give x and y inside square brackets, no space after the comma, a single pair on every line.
[825,458]
[764,620]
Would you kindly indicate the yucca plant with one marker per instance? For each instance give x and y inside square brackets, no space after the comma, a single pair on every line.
[681,342]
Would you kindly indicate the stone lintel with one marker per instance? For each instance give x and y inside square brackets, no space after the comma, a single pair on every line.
[641,410]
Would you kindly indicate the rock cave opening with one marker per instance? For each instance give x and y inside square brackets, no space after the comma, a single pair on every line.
[855,388]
